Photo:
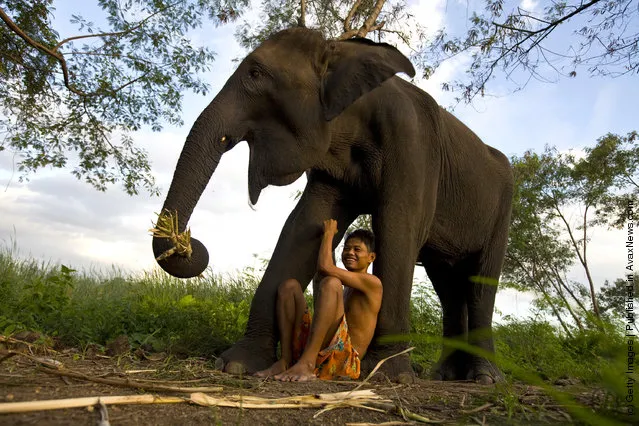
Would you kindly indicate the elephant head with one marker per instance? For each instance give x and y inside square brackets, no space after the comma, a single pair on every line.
[281,100]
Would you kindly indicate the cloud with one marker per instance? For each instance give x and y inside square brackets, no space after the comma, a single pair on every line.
[529,5]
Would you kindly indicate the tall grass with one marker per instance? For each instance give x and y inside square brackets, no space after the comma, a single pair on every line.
[201,316]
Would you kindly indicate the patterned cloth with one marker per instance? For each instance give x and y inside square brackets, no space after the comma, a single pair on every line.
[338,359]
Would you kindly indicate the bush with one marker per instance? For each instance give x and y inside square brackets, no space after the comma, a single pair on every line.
[536,346]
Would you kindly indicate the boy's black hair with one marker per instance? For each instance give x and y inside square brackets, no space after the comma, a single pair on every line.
[365,236]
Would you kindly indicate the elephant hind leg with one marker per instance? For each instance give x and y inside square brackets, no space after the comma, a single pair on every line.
[466,290]
[481,293]
[448,285]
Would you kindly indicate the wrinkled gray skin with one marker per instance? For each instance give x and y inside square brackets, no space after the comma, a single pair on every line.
[372,143]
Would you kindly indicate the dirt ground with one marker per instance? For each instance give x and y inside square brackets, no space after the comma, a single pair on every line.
[26,375]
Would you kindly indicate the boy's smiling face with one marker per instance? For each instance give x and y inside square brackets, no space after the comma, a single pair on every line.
[356,256]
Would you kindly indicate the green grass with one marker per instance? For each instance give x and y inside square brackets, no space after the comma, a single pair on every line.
[190,317]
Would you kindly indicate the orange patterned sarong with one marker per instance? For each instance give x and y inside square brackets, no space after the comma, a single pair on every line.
[338,359]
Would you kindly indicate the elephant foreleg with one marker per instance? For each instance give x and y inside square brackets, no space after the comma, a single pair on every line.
[396,256]
[295,256]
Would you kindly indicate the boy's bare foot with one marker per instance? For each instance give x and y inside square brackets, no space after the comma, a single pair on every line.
[300,372]
[278,367]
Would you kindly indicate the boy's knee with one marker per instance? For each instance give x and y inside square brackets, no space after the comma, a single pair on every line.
[289,287]
[331,284]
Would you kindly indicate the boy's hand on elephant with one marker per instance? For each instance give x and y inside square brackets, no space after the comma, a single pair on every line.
[330,226]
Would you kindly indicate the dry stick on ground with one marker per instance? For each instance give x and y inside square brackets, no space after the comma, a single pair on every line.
[366,399]
[31,346]
[131,383]
[6,356]
[139,371]
[56,367]
[478,409]
[51,363]
[166,382]
[383,406]
[55,404]
[348,398]
[394,423]
[402,412]
[354,399]
[379,364]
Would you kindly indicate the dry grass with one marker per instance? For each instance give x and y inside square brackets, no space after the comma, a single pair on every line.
[167,227]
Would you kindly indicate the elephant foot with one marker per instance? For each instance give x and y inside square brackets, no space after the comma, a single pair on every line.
[463,366]
[397,369]
[483,371]
[247,356]
[451,367]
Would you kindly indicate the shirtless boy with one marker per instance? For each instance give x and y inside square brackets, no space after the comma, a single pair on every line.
[345,314]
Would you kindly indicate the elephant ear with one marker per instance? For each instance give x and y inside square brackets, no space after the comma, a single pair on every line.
[362,66]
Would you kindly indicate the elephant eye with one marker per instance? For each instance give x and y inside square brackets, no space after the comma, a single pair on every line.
[255,73]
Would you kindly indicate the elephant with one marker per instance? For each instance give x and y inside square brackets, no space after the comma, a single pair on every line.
[372,143]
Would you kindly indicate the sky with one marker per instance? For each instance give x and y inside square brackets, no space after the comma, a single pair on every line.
[55,218]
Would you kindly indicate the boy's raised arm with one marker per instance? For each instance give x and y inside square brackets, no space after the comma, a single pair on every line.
[364,282]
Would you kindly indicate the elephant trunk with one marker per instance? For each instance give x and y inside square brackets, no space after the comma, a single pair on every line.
[200,156]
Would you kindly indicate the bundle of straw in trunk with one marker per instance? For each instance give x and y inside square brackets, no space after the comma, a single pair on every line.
[167,227]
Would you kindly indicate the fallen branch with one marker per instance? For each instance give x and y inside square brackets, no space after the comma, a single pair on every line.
[131,383]
[393,423]
[47,362]
[235,401]
[478,409]
[349,399]
[14,341]
[382,406]
[56,404]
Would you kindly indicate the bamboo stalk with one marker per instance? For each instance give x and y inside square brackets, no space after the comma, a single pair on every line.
[237,401]
[56,404]
[302,401]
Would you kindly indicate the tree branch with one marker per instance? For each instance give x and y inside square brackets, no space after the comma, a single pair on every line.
[117,33]
[562,282]
[368,24]
[631,180]
[581,258]
[540,286]
[42,48]
[347,22]
[551,24]
[557,287]
[55,53]
[302,21]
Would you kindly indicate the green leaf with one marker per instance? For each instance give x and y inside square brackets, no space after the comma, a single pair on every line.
[128,74]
